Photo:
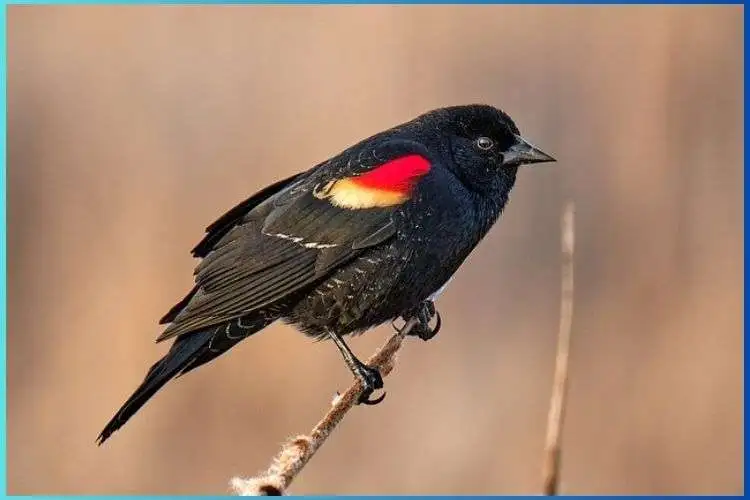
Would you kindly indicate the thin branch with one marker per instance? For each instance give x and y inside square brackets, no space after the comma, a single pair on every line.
[552,447]
[297,452]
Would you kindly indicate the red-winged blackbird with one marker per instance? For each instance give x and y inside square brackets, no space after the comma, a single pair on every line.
[366,237]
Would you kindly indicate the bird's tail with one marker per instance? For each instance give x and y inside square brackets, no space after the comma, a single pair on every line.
[188,352]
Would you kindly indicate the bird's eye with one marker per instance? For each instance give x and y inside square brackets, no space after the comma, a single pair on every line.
[485,143]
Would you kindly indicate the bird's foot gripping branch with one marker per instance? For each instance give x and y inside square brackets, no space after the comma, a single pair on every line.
[297,452]
[425,313]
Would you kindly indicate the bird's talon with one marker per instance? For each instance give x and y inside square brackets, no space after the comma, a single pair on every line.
[371,381]
[427,333]
[364,399]
[425,313]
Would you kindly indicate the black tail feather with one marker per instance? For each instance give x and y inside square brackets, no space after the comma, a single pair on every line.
[179,356]
[188,352]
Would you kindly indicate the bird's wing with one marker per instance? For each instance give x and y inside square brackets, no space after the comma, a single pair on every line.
[223,224]
[300,233]
[219,228]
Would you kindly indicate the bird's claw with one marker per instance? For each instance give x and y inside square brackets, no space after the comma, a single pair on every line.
[425,332]
[371,381]
[364,399]
[425,312]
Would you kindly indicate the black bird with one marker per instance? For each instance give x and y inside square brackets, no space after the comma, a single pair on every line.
[369,236]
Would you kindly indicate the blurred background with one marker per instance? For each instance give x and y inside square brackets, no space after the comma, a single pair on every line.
[131,128]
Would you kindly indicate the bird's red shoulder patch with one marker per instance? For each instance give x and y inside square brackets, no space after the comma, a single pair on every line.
[387,185]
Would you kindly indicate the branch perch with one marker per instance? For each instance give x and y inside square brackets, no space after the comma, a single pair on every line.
[552,447]
[297,452]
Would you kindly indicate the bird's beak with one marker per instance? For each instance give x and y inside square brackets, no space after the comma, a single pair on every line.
[523,153]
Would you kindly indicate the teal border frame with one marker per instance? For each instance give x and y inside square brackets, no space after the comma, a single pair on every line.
[3,255]
[3,171]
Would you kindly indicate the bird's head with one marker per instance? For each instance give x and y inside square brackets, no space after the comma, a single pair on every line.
[483,145]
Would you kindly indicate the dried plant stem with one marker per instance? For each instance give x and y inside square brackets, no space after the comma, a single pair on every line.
[552,447]
[295,454]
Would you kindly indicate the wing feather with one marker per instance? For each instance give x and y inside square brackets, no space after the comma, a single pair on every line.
[278,244]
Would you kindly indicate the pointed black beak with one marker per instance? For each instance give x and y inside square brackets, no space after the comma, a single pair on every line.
[524,153]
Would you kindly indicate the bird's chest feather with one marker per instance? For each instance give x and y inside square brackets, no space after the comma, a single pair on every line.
[437,230]
[383,283]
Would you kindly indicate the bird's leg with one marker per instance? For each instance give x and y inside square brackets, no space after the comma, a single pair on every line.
[424,312]
[370,377]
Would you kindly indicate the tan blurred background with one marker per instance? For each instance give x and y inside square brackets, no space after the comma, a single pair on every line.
[132,128]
